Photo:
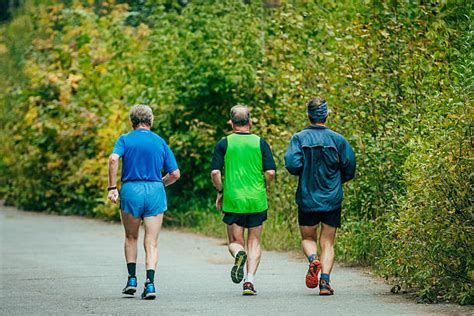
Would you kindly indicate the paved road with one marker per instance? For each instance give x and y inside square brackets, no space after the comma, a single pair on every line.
[69,265]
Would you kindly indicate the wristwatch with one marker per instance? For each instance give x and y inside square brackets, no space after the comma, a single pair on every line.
[112,188]
[220,191]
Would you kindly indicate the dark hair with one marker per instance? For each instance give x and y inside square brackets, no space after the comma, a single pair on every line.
[312,104]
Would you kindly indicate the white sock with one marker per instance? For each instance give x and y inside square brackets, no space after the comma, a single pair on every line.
[250,277]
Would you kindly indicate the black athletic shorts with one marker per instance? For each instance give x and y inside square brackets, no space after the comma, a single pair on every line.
[247,220]
[332,218]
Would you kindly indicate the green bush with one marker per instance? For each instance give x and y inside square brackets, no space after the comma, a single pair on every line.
[398,77]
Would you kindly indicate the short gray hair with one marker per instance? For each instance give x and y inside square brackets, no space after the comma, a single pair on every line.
[240,115]
[141,114]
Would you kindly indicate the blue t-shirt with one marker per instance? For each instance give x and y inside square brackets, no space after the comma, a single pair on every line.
[144,155]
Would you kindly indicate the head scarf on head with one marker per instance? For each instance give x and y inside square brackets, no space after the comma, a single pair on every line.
[319,113]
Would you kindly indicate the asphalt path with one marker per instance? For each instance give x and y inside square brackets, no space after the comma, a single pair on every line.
[70,265]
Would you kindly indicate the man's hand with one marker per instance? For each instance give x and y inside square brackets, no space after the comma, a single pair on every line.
[113,195]
[219,201]
[113,167]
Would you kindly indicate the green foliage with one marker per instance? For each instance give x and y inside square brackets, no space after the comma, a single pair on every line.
[398,77]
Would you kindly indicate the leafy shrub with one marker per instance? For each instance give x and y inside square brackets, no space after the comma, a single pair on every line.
[398,77]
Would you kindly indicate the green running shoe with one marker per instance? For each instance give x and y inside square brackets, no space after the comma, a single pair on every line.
[237,272]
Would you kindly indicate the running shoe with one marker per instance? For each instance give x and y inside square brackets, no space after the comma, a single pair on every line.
[131,286]
[237,272]
[149,292]
[325,288]
[312,275]
[249,289]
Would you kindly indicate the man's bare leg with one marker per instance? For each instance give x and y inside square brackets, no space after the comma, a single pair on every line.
[310,249]
[326,241]
[152,231]
[308,240]
[235,234]
[131,226]
[254,250]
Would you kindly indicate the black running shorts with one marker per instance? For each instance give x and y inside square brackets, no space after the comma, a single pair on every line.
[247,220]
[332,218]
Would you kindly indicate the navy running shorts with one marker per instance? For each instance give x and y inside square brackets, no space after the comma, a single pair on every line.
[247,220]
[332,218]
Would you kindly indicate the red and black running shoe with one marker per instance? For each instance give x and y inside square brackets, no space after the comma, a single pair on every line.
[325,288]
[312,275]
[249,289]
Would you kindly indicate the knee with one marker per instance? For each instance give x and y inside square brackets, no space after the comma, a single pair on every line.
[238,241]
[308,238]
[131,237]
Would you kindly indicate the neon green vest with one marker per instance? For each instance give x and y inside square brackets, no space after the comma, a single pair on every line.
[244,183]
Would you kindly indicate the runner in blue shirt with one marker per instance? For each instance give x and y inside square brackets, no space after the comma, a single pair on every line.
[142,196]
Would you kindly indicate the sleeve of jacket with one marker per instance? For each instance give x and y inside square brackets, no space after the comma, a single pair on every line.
[347,161]
[294,157]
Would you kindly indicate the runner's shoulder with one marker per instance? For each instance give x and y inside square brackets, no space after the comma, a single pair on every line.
[158,138]
[333,134]
[337,137]
[222,141]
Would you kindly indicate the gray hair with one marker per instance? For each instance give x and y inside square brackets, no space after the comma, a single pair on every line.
[240,115]
[141,114]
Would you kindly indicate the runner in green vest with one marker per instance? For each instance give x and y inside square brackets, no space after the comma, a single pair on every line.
[248,166]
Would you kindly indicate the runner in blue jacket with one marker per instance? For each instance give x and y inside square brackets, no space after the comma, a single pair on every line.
[323,160]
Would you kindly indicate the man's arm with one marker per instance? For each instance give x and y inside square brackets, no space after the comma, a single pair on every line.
[268,163]
[216,178]
[170,166]
[171,177]
[347,161]
[294,157]
[113,168]
[217,164]
[269,176]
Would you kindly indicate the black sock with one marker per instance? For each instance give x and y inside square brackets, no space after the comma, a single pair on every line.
[132,269]
[150,276]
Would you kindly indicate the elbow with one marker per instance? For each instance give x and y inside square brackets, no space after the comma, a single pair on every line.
[215,173]
[175,175]
[270,174]
[347,177]
[113,160]
[293,171]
